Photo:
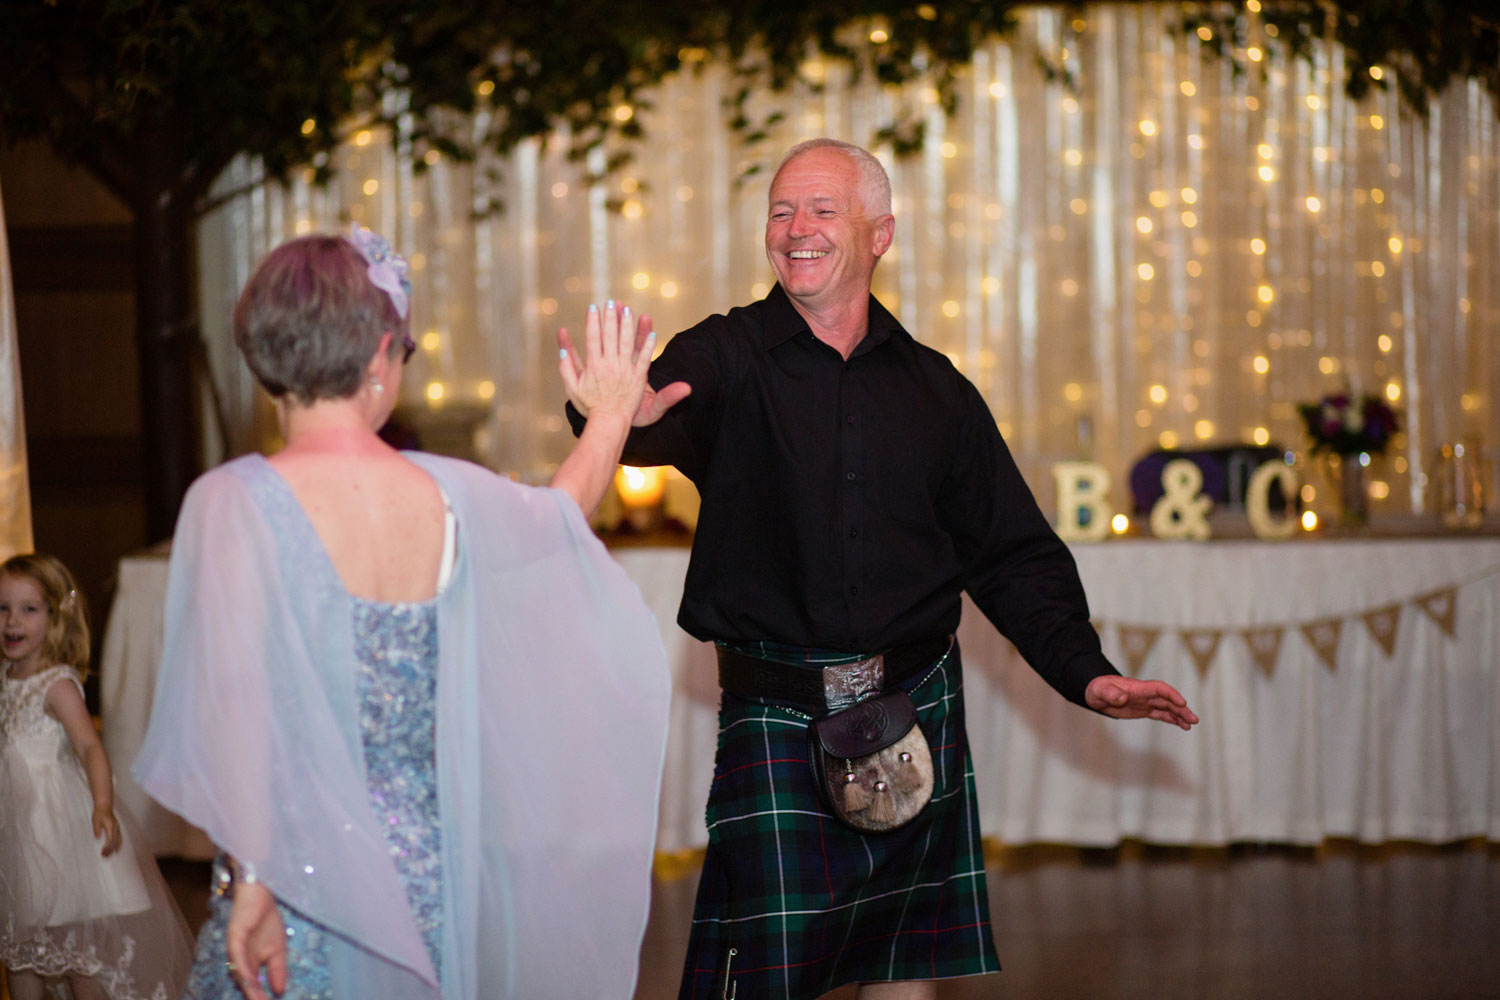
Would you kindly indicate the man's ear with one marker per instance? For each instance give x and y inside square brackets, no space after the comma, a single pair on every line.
[885,234]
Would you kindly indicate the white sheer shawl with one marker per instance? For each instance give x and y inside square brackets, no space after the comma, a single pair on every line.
[553,692]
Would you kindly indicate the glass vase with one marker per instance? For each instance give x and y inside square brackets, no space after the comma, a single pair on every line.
[1347,473]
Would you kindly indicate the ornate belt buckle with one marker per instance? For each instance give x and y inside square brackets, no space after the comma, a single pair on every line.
[846,683]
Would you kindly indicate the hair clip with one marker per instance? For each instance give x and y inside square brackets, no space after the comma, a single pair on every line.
[70,600]
[388,270]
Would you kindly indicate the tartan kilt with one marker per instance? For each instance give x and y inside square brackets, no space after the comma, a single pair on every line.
[808,904]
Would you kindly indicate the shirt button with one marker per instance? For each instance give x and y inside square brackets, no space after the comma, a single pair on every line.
[849,476]
[853,590]
[849,419]
[853,532]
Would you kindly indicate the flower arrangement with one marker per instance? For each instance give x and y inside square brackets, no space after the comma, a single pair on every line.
[1342,424]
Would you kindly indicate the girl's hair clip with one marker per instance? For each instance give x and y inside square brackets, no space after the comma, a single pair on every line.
[70,600]
[387,270]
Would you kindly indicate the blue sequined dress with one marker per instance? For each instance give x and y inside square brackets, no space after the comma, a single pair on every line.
[396,649]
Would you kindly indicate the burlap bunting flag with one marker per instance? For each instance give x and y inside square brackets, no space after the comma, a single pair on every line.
[1324,638]
[1442,607]
[1136,642]
[1201,645]
[1382,624]
[1265,646]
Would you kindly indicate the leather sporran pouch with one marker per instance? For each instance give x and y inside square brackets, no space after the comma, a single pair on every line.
[871,763]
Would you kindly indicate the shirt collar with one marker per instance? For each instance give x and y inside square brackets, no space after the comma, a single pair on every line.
[783,322]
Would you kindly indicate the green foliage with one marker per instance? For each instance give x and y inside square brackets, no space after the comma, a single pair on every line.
[190,83]
[1419,46]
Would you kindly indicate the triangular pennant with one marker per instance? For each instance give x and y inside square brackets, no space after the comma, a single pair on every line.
[1442,607]
[1265,644]
[1324,638]
[1201,645]
[1382,625]
[1136,641]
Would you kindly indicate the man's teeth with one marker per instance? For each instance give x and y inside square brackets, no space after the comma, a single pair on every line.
[807,254]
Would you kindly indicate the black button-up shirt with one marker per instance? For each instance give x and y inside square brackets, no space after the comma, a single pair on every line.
[847,504]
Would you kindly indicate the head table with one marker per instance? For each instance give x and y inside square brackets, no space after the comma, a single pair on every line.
[1348,688]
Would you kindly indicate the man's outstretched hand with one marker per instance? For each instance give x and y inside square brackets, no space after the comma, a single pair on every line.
[1128,698]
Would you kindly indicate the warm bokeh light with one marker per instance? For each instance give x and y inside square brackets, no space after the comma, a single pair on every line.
[1392,391]
[1261,364]
[431,340]
[1261,436]
[641,487]
[1119,524]
[1157,394]
[435,391]
[1309,521]
[640,281]
[485,390]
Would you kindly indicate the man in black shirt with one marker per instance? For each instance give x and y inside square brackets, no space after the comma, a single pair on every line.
[853,485]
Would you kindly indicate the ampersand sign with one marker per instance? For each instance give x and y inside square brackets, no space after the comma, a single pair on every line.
[1181,512]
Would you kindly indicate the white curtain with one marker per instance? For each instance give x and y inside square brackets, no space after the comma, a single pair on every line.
[15,496]
[1164,254]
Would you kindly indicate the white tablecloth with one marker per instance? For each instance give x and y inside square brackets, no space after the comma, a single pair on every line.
[1376,746]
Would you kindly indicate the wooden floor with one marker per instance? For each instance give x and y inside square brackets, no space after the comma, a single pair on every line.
[1392,922]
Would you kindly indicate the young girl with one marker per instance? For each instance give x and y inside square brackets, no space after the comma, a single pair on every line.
[80,899]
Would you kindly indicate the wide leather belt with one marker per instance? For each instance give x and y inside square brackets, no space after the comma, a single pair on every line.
[826,687]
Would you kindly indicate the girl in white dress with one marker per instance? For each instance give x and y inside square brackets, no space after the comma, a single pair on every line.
[80,899]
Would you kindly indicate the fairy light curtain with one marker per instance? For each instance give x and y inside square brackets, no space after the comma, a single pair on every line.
[1163,254]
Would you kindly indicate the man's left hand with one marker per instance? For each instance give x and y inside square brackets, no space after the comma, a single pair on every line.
[1128,698]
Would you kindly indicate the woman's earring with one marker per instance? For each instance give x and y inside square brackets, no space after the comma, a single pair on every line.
[375,384]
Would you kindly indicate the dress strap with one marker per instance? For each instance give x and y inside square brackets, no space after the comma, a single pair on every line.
[450,544]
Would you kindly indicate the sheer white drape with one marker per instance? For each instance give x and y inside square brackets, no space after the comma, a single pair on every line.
[15,495]
[1167,254]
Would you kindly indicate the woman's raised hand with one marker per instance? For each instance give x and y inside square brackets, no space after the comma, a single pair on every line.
[609,377]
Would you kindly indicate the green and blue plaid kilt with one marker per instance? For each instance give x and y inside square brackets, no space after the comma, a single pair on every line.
[809,905]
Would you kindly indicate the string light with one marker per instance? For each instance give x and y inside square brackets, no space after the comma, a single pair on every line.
[309,126]
[362,137]
[485,390]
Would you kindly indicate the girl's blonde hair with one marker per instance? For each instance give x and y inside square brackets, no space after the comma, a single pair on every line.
[67,639]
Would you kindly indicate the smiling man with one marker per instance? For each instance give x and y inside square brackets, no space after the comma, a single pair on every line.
[854,485]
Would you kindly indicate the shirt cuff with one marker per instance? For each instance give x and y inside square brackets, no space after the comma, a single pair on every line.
[1080,670]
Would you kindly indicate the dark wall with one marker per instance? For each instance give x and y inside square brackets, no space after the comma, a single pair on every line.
[73,273]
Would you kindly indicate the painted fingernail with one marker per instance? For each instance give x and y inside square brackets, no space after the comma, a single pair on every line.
[627,312]
[610,304]
[593,308]
[650,337]
[562,353]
